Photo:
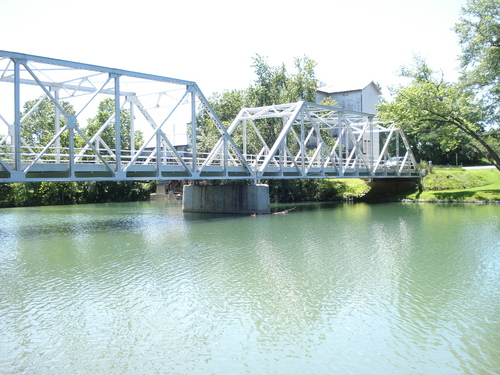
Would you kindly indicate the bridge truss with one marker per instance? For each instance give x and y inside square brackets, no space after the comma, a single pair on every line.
[68,121]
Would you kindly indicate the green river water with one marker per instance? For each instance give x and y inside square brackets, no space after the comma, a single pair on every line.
[142,288]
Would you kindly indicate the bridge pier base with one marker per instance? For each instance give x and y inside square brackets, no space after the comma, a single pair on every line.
[229,199]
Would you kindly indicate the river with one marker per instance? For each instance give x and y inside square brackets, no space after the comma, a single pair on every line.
[142,288]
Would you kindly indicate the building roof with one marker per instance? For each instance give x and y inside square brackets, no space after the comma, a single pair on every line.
[345,88]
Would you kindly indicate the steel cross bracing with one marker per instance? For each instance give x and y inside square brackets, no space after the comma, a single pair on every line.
[45,131]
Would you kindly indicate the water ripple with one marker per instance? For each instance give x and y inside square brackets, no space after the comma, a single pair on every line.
[346,289]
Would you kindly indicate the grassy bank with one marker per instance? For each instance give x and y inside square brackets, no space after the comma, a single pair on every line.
[458,184]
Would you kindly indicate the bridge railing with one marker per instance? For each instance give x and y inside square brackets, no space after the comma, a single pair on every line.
[31,156]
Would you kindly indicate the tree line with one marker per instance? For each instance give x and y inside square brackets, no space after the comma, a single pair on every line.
[23,194]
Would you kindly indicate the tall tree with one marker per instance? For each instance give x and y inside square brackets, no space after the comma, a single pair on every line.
[274,85]
[479,35]
[431,106]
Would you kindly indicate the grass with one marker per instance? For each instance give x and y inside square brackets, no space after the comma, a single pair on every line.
[456,184]
[353,188]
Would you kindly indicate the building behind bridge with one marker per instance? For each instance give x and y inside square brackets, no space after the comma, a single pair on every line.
[356,97]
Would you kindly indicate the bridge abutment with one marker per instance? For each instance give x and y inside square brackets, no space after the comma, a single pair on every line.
[230,199]
[385,188]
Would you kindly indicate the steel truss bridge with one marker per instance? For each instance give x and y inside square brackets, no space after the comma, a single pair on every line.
[45,131]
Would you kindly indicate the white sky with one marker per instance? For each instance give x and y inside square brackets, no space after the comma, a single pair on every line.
[213,42]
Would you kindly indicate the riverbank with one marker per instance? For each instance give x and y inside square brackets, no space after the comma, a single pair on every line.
[462,185]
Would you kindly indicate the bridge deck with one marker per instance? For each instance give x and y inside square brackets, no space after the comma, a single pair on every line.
[169,169]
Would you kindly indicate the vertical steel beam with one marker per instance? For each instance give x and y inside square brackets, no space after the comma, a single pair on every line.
[226,157]
[118,136]
[57,125]
[371,149]
[340,144]
[132,130]
[17,117]
[72,125]
[397,146]
[158,141]
[302,145]
[244,131]
[194,151]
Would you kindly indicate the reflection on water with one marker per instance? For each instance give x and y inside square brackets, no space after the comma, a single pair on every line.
[343,288]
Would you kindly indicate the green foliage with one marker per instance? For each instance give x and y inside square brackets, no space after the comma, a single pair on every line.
[38,129]
[329,101]
[226,106]
[60,193]
[55,193]
[105,113]
[6,195]
[443,119]
[323,190]
[351,188]
[274,85]
[115,191]
[434,112]
[38,126]
[479,36]
[25,194]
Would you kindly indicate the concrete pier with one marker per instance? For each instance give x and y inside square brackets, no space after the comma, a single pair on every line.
[231,199]
[164,192]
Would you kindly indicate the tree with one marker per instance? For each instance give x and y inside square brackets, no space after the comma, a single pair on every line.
[479,36]
[329,101]
[430,105]
[38,126]
[274,85]
[104,115]
[226,105]
[456,117]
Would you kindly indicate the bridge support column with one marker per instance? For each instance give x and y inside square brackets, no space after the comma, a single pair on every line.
[230,199]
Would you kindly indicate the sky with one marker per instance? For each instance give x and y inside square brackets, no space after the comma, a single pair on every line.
[213,42]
